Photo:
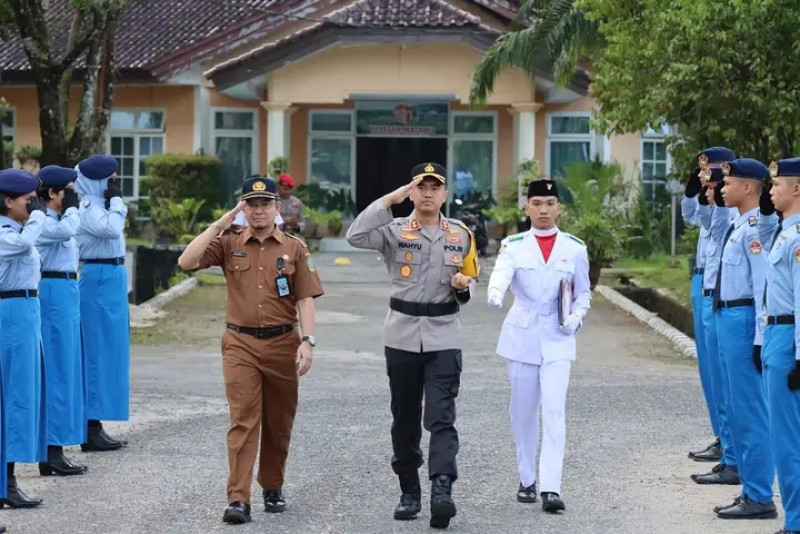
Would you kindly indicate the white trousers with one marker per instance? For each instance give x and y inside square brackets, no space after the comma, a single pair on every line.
[533,386]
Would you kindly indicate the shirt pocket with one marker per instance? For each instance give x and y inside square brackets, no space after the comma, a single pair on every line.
[451,263]
[732,257]
[239,271]
[407,265]
[518,316]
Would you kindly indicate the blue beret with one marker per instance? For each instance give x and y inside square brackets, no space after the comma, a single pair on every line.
[17,182]
[746,168]
[715,154]
[259,187]
[98,166]
[55,176]
[785,167]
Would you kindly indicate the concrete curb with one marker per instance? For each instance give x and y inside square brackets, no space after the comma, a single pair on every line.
[179,290]
[682,342]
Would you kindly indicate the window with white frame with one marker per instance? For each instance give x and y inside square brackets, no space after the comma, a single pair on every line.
[331,154]
[569,139]
[235,138]
[135,135]
[473,149]
[655,162]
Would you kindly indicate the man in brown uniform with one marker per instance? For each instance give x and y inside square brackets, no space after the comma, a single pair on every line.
[270,279]
[433,264]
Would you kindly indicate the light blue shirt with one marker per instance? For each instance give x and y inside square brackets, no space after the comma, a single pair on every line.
[783,275]
[19,259]
[57,244]
[721,219]
[696,215]
[744,267]
[101,234]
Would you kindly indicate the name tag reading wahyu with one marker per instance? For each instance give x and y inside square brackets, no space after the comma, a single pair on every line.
[237,254]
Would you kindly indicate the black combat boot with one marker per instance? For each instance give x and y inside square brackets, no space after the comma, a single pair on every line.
[58,464]
[98,440]
[411,499]
[442,506]
[15,497]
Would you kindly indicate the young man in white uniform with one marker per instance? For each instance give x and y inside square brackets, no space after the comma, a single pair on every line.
[539,347]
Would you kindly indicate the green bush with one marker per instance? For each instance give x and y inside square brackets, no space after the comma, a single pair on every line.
[29,153]
[687,243]
[177,220]
[177,177]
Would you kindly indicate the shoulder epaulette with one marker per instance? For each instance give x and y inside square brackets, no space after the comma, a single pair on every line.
[461,224]
[575,239]
[297,238]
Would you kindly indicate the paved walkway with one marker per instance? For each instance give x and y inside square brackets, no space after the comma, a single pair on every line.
[633,411]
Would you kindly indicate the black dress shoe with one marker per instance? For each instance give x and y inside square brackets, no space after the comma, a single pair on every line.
[58,464]
[720,474]
[237,513]
[526,495]
[16,498]
[712,453]
[409,507]
[274,502]
[719,507]
[443,509]
[551,502]
[98,441]
[748,509]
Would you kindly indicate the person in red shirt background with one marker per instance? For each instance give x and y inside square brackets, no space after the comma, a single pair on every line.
[291,207]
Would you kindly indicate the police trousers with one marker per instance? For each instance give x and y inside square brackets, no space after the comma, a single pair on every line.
[261,385]
[436,376]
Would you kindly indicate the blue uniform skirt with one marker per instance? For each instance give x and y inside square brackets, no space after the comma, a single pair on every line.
[22,365]
[105,330]
[63,364]
[3,460]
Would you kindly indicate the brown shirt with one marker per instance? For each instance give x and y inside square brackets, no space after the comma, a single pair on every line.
[251,268]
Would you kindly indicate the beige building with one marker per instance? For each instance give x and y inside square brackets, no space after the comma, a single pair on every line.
[354,93]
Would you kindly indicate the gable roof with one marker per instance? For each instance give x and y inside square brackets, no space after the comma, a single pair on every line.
[160,38]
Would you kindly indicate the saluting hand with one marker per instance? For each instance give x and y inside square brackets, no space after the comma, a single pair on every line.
[460,281]
[226,220]
[304,358]
[401,193]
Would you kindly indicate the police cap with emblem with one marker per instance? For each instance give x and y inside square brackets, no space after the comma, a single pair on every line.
[432,170]
[259,187]
[16,182]
[785,167]
[542,188]
[709,161]
[98,167]
[745,168]
[56,177]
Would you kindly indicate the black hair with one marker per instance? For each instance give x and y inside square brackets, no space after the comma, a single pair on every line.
[44,192]
[3,197]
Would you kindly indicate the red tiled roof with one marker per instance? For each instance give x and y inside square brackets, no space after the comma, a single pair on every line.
[165,36]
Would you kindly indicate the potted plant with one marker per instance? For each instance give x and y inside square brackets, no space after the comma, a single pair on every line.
[602,242]
[335,223]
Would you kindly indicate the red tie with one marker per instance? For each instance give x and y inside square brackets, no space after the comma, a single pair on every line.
[546,243]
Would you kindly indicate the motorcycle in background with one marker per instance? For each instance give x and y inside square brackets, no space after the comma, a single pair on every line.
[471,215]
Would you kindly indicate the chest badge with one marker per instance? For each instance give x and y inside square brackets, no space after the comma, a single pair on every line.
[408,256]
[409,237]
[755,247]
[405,271]
[456,240]
[455,259]
[752,220]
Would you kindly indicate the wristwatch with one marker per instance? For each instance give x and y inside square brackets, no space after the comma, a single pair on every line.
[311,340]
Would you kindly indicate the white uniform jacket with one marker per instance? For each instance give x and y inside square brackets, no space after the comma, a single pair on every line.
[531,332]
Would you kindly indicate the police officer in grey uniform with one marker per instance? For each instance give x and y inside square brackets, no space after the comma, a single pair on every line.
[433,266]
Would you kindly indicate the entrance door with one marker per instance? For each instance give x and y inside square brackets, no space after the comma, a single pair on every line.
[384,163]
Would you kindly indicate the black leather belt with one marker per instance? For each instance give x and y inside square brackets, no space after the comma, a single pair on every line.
[737,303]
[423,309]
[261,333]
[708,292]
[59,274]
[19,293]
[779,319]
[106,261]
[698,270]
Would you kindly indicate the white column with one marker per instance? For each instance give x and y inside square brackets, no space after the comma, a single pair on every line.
[202,121]
[277,129]
[525,133]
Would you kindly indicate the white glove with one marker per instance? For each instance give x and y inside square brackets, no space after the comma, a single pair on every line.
[495,299]
[571,325]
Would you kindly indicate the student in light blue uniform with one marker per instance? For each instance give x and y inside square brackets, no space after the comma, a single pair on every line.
[61,322]
[709,161]
[20,328]
[696,212]
[780,354]
[105,323]
[738,304]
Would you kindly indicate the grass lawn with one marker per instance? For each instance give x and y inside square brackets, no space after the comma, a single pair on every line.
[654,272]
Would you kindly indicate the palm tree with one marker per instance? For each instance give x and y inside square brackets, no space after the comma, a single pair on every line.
[554,30]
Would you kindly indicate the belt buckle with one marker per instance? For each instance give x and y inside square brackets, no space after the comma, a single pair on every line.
[766,319]
[260,333]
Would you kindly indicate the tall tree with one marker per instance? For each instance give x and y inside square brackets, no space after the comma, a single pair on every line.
[725,73]
[88,58]
[555,31]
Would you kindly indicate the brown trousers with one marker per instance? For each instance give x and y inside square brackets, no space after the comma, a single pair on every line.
[261,385]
